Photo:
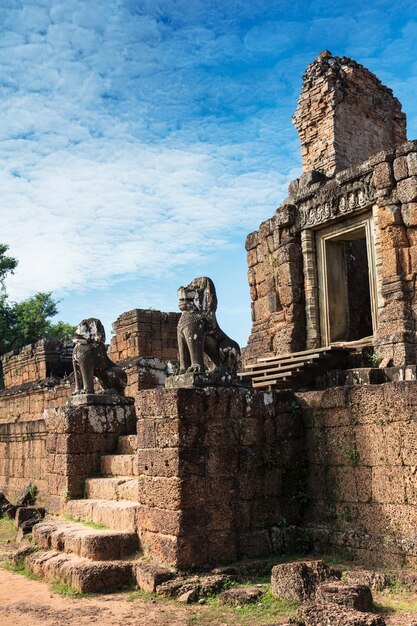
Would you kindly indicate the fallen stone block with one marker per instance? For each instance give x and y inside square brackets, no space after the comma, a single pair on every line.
[297,581]
[377,581]
[350,595]
[25,513]
[149,576]
[315,614]
[203,585]
[237,596]
[188,597]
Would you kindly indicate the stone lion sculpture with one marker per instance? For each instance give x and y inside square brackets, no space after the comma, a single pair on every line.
[199,332]
[90,360]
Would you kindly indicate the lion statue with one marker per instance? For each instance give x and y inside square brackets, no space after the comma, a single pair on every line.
[90,360]
[199,333]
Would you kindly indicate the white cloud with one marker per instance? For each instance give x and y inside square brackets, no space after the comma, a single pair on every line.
[141,137]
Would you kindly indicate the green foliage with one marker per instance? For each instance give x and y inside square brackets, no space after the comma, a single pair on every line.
[264,611]
[66,590]
[30,320]
[70,518]
[33,492]
[7,530]
[7,264]
[27,321]
[19,568]
[353,455]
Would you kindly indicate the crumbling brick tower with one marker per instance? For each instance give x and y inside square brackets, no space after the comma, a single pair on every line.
[338,260]
[344,115]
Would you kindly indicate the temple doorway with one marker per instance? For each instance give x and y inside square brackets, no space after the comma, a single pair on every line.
[346,271]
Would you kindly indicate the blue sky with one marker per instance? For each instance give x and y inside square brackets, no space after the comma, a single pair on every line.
[141,140]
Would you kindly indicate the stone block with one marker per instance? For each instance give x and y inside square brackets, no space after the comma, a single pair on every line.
[400,168]
[149,576]
[297,581]
[237,596]
[412,163]
[351,595]
[409,214]
[383,176]
[407,189]
[315,614]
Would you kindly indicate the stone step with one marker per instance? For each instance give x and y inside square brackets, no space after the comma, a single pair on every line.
[116,515]
[81,574]
[119,465]
[112,488]
[90,543]
[127,444]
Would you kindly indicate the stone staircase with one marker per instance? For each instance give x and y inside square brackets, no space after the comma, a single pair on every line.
[95,546]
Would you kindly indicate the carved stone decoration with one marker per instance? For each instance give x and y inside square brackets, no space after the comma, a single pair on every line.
[90,361]
[199,334]
[336,201]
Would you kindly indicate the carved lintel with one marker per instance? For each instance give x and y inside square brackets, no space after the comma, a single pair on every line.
[335,202]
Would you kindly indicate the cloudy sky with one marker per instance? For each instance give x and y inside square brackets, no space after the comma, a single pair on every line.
[141,140]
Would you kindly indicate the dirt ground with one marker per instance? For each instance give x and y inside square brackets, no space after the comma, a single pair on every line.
[26,602]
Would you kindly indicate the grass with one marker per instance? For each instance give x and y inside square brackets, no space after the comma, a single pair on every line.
[19,568]
[340,558]
[70,518]
[264,611]
[7,530]
[66,590]
[397,598]
[146,596]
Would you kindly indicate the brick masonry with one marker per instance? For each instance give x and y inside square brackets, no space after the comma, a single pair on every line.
[144,333]
[362,450]
[283,264]
[36,361]
[23,458]
[219,473]
[344,115]
[28,401]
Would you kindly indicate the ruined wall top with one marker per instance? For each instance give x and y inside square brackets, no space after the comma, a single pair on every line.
[344,115]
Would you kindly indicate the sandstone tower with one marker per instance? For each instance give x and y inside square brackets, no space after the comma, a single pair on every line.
[344,115]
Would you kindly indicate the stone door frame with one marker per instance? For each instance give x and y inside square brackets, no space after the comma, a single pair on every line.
[315,274]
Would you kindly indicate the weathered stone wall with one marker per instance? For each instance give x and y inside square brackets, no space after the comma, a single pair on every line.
[23,458]
[282,257]
[144,333]
[361,444]
[220,473]
[28,401]
[395,180]
[276,285]
[344,115]
[36,361]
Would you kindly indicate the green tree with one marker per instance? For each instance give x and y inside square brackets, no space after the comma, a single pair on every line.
[8,264]
[30,320]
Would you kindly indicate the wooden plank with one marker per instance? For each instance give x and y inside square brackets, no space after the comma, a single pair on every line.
[271,370]
[270,383]
[284,375]
[255,366]
[291,355]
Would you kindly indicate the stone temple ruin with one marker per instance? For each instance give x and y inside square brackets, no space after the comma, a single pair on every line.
[319,454]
